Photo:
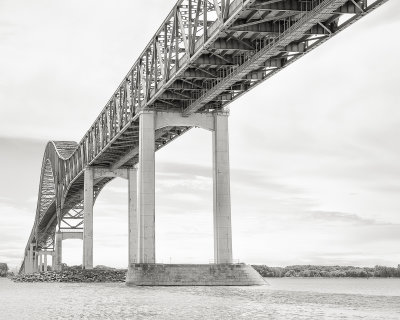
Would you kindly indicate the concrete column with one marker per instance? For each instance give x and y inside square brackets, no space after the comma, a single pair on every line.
[45,262]
[35,262]
[26,263]
[53,261]
[132,218]
[221,190]
[30,259]
[40,261]
[146,189]
[88,220]
[33,270]
[57,258]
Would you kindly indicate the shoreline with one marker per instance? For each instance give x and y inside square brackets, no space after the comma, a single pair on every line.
[105,274]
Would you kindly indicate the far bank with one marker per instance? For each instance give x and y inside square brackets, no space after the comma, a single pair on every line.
[106,274]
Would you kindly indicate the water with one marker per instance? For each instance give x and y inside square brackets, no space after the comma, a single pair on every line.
[287,298]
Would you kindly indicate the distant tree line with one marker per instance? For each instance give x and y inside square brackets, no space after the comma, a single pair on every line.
[3,269]
[328,271]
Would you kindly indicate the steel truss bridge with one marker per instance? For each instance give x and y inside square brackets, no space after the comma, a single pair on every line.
[205,54]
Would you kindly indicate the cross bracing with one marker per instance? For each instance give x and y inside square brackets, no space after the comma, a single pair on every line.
[204,55]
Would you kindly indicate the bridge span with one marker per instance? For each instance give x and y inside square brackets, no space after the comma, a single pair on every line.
[205,54]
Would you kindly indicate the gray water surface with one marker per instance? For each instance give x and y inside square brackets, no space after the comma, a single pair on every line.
[287,298]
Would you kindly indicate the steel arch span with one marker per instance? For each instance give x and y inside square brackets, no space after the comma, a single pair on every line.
[205,54]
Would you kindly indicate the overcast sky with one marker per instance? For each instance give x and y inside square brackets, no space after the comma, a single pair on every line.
[315,150]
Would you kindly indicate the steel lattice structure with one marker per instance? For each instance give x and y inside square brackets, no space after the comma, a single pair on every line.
[205,54]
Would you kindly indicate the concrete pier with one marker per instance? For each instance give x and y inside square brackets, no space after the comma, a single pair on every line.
[193,275]
[143,271]
[30,259]
[26,261]
[35,261]
[53,261]
[58,252]
[132,216]
[45,262]
[146,189]
[88,219]
[221,191]
[40,262]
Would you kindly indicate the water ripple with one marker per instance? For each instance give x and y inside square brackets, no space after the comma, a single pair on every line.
[284,299]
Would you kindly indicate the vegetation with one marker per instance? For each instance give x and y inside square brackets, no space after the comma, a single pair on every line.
[3,269]
[328,271]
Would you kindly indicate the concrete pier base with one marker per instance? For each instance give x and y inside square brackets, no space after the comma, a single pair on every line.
[143,274]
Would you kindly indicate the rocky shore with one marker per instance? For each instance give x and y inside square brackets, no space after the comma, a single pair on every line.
[74,275]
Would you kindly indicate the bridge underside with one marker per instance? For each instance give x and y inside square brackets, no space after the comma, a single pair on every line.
[206,54]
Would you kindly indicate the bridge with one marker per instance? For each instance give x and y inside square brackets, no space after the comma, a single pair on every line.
[205,54]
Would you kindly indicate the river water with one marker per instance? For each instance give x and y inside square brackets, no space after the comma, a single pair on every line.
[287,298]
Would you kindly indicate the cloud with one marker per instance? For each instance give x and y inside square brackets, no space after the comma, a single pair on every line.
[117,190]
[15,226]
[200,176]
[343,217]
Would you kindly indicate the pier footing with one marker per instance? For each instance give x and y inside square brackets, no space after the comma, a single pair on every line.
[143,274]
